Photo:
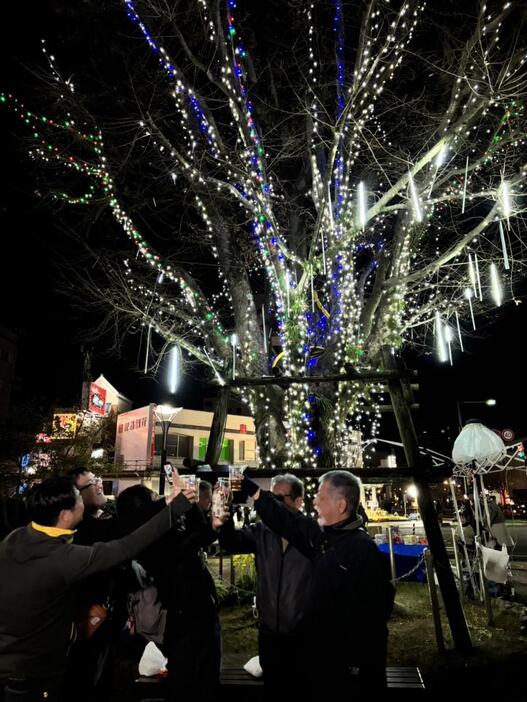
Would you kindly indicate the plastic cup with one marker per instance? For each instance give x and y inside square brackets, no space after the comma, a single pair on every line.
[235,479]
[189,482]
[220,497]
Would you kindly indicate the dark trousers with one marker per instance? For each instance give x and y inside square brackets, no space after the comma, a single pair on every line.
[193,648]
[90,663]
[282,658]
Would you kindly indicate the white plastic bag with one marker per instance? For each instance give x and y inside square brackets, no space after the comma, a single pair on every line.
[253,667]
[495,564]
[152,661]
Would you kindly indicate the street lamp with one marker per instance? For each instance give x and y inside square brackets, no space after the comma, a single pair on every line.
[490,403]
[164,414]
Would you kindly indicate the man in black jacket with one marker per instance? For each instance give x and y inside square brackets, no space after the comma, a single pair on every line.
[350,596]
[39,567]
[283,581]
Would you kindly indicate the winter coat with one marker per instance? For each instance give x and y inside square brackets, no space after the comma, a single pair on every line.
[37,575]
[283,575]
[349,597]
[177,567]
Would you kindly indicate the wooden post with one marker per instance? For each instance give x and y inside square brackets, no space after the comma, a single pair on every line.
[217,428]
[447,584]
[434,601]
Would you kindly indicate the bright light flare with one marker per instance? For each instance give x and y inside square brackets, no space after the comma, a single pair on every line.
[495,285]
[363,210]
[174,369]
[418,213]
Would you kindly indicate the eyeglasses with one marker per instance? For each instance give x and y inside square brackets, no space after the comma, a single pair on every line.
[95,481]
[281,498]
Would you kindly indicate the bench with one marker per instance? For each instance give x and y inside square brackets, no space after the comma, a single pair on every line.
[238,685]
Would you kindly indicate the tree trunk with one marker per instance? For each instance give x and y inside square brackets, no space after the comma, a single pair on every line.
[217,428]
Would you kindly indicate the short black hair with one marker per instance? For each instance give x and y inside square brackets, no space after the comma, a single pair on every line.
[347,484]
[129,504]
[47,500]
[75,473]
[295,484]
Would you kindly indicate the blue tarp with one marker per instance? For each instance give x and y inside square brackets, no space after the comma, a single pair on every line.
[406,558]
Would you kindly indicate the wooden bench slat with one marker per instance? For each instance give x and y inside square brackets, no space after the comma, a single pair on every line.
[398,678]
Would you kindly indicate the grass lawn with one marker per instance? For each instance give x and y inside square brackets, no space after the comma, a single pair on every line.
[412,639]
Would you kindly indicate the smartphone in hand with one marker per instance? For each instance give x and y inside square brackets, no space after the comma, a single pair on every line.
[168,473]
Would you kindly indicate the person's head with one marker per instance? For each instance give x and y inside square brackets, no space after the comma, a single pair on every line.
[90,488]
[128,505]
[337,498]
[288,489]
[205,495]
[55,502]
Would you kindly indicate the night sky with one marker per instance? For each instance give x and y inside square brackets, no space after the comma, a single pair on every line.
[50,361]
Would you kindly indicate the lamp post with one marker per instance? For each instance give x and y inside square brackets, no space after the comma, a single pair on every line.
[164,414]
[490,403]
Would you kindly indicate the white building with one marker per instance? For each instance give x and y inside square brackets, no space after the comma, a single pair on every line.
[138,439]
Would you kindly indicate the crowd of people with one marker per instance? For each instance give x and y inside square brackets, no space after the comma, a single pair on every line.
[75,582]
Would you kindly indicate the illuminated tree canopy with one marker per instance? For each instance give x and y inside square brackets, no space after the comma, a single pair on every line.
[308,182]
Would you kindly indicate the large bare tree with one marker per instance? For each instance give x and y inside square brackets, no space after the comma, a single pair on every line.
[304,182]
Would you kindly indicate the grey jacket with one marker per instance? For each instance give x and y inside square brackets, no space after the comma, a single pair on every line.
[283,575]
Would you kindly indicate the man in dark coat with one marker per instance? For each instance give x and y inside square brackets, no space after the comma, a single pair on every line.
[283,575]
[39,567]
[349,596]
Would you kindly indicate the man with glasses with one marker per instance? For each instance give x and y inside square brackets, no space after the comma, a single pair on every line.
[350,596]
[283,575]
[90,661]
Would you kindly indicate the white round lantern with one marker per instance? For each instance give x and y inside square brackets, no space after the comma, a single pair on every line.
[477,448]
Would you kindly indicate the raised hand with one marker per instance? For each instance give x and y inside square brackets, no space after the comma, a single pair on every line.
[176,489]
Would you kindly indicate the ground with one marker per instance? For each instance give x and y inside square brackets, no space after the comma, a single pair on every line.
[412,640]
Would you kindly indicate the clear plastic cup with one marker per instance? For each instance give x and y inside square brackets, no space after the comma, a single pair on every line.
[235,478]
[220,497]
[189,482]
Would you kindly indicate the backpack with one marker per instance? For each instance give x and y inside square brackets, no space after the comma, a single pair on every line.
[146,615]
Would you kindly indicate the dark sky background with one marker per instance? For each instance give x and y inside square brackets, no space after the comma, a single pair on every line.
[50,361]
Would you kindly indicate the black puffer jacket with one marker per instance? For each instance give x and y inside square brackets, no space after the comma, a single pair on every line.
[283,575]
[349,598]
